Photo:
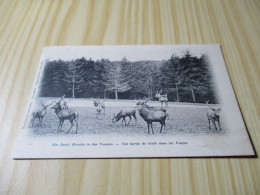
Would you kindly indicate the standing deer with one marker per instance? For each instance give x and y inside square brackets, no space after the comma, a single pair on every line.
[152,116]
[124,113]
[99,109]
[151,108]
[65,114]
[40,114]
[100,105]
[213,116]
[162,98]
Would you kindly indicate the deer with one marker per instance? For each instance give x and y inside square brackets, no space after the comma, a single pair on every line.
[162,98]
[65,114]
[99,109]
[213,116]
[150,116]
[40,114]
[125,113]
[151,108]
[99,105]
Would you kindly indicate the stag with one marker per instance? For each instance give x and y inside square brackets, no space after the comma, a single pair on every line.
[99,109]
[162,98]
[152,116]
[100,106]
[40,114]
[151,108]
[213,116]
[65,114]
[123,114]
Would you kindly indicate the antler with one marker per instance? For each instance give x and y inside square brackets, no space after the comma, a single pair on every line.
[42,104]
[212,108]
[49,104]
[67,101]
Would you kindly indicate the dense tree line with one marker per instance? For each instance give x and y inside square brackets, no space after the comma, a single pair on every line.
[185,79]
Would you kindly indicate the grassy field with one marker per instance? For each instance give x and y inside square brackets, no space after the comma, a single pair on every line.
[184,119]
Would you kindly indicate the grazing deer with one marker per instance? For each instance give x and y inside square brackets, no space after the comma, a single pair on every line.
[124,113]
[40,114]
[65,114]
[101,105]
[162,98]
[213,116]
[152,116]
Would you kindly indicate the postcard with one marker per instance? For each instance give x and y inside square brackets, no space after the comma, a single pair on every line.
[138,101]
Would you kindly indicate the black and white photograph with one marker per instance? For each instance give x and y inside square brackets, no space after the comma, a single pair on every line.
[132,101]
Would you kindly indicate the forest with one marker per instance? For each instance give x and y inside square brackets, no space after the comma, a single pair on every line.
[185,78]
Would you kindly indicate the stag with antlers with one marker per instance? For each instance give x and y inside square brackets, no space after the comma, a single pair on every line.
[100,106]
[40,114]
[162,98]
[213,116]
[152,116]
[65,114]
[151,108]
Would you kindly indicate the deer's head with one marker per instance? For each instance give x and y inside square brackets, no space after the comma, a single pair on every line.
[216,111]
[96,103]
[158,94]
[114,119]
[56,105]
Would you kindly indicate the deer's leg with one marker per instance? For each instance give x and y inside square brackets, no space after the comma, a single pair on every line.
[135,118]
[161,126]
[41,121]
[104,111]
[38,122]
[124,120]
[148,127]
[130,118]
[61,124]
[219,125]
[71,125]
[76,125]
[214,123]
[209,123]
[152,127]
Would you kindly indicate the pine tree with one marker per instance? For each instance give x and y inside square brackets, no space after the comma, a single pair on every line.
[116,80]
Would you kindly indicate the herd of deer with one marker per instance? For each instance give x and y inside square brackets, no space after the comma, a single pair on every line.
[62,111]
[148,113]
